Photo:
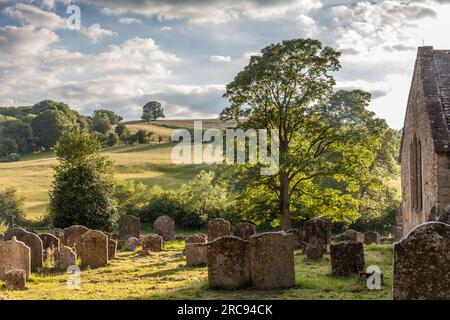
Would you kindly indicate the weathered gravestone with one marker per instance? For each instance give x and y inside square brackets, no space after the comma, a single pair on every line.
[14,255]
[318,230]
[93,250]
[15,279]
[421,263]
[347,258]
[351,235]
[129,226]
[65,257]
[112,248]
[196,238]
[132,243]
[50,244]
[244,230]
[196,254]
[14,232]
[315,249]
[229,263]
[272,260]
[33,242]
[298,237]
[372,237]
[165,227]
[153,243]
[218,228]
[72,236]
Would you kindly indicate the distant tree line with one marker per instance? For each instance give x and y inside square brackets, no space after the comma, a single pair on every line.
[35,128]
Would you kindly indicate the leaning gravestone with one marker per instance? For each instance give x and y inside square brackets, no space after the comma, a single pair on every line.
[229,263]
[93,250]
[65,257]
[14,232]
[218,228]
[196,254]
[298,237]
[72,236]
[112,248]
[272,260]
[421,263]
[165,227]
[14,255]
[347,258]
[244,230]
[50,244]
[129,226]
[372,237]
[153,243]
[318,230]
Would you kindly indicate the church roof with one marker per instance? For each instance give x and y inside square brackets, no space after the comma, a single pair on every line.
[433,68]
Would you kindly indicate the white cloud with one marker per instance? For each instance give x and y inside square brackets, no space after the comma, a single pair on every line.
[96,33]
[130,21]
[166,28]
[33,16]
[220,58]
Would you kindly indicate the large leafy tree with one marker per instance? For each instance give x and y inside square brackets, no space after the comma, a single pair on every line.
[12,209]
[323,136]
[83,188]
[152,111]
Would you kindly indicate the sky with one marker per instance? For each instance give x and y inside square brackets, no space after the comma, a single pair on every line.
[183,52]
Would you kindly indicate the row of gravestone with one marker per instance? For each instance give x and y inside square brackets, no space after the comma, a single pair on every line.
[26,251]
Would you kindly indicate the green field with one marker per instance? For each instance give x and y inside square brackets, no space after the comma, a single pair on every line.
[149,164]
[137,275]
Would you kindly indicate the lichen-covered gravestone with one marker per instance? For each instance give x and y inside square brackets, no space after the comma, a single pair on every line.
[347,258]
[196,238]
[112,248]
[229,263]
[33,241]
[58,232]
[272,260]
[244,230]
[318,230]
[153,243]
[315,249]
[50,244]
[14,232]
[196,254]
[131,243]
[64,258]
[421,263]
[15,279]
[165,227]
[129,226]
[93,251]
[218,228]
[372,237]
[72,236]
[14,255]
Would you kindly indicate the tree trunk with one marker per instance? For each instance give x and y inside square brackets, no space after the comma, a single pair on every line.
[285,202]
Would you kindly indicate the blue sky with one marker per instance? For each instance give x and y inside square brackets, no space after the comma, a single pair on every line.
[183,53]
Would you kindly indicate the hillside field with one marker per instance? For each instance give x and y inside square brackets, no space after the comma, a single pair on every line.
[149,164]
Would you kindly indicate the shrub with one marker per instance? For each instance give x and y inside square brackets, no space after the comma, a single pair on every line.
[14,157]
[11,206]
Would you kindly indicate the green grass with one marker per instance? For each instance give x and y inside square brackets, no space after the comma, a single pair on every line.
[136,275]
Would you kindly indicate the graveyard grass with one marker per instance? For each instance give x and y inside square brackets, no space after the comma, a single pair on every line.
[138,275]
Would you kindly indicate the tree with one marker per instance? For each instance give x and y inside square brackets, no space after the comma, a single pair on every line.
[83,188]
[152,111]
[12,209]
[143,136]
[321,135]
[101,123]
[49,125]
[113,118]
[20,131]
